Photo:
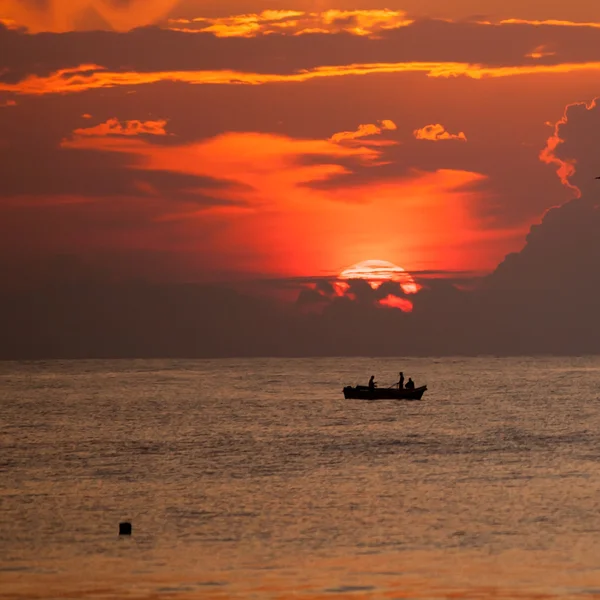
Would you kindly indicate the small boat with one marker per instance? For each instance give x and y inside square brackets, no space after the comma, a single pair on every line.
[363,392]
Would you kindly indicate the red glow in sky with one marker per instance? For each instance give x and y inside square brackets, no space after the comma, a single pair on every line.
[235,140]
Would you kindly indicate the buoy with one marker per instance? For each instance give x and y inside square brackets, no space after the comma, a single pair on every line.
[124,528]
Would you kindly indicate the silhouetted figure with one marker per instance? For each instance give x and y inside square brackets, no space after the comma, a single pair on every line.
[410,384]
[372,383]
[401,382]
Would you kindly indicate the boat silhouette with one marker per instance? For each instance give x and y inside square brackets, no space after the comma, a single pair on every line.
[364,392]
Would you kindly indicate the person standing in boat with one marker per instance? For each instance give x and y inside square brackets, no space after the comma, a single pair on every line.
[372,383]
[401,381]
[410,384]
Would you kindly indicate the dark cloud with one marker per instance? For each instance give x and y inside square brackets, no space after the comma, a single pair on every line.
[311,297]
[390,288]
[427,40]
[562,253]
[172,320]
[325,287]
[503,200]
[33,162]
[91,320]
[39,171]
[574,147]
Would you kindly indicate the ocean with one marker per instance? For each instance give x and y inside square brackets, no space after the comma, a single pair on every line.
[255,479]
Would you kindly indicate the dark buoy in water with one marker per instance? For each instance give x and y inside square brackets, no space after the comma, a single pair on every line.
[124,528]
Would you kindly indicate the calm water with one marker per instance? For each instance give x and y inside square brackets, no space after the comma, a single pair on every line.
[256,479]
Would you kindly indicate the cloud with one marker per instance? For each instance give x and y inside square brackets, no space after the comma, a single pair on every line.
[39,166]
[319,298]
[85,315]
[436,133]
[68,175]
[93,77]
[543,299]
[356,22]
[550,23]
[122,14]
[9,24]
[562,253]
[375,283]
[233,198]
[127,128]
[392,301]
[364,131]
[498,202]
[78,61]
[540,51]
[573,149]
[68,15]
[293,22]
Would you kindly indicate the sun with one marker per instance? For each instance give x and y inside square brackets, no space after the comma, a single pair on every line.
[377,272]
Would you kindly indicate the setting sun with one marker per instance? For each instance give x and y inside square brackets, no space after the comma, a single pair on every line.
[377,272]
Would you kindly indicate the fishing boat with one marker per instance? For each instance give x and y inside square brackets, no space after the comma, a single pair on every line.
[363,392]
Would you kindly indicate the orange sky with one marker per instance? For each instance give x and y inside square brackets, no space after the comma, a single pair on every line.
[284,139]
[63,15]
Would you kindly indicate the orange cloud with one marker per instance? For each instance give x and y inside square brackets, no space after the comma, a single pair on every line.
[364,131]
[396,302]
[273,206]
[8,103]
[436,133]
[567,166]
[540,52]
[128,128]
[87,77]
[69,15]
[356,22]
[548,22]
[9,23]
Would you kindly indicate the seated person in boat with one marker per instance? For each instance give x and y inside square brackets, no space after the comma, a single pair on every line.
[410,384]
[401,382]
[372,383]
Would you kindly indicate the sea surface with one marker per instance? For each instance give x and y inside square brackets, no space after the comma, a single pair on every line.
[256,479]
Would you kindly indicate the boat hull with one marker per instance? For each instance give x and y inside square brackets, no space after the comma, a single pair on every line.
[362,392]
